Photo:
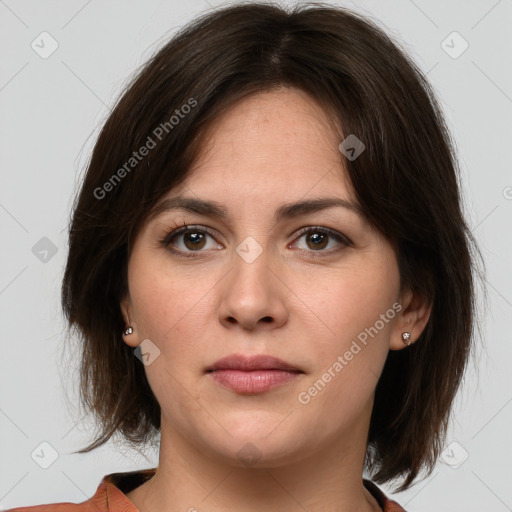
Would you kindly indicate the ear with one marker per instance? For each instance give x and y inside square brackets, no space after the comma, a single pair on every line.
[127,311]
[412,318]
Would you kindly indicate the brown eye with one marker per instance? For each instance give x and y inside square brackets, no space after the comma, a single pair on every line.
[189,240]
[194,240]
[318,240]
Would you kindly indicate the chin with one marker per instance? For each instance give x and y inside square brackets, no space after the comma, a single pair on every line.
[258,443]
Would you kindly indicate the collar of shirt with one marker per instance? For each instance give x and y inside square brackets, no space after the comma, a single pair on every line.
[116,484]
[110,496]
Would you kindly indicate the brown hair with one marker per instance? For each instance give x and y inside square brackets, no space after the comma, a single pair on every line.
[406,181]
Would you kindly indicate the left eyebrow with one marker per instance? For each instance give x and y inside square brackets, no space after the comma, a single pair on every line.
[285,211]
[290,210]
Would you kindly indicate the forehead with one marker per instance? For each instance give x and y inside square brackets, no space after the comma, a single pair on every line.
[272,142]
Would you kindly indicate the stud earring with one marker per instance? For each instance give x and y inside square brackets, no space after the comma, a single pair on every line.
[406,338]
[129,330]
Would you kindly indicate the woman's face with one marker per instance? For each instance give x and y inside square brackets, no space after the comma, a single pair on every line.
[317,288]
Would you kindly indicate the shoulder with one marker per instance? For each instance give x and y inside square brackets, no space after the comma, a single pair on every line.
[97,503]
[109,497]
[86,506]
[385,503]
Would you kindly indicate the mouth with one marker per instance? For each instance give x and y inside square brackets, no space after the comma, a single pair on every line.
[252,374]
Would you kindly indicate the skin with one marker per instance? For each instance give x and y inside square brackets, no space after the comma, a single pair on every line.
[271,148]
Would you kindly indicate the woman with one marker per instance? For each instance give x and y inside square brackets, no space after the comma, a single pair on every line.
[269,269]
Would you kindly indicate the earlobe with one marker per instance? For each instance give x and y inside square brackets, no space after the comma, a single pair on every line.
[130,336]
[129,333]
[411,321]
[406,337]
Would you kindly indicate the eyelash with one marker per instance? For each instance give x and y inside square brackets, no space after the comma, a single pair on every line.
[170,235]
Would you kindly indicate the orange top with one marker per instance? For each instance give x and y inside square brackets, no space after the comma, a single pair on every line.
[110,497]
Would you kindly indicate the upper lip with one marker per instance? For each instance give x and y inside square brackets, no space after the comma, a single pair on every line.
[248,363]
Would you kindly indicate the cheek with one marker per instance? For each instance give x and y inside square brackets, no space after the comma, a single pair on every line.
[169,306]
[167,312]
[346,301]
[350,356]
[354,316]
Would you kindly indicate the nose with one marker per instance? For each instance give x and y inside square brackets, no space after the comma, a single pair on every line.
[253,296]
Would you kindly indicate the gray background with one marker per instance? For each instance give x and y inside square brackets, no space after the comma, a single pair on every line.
[51,109]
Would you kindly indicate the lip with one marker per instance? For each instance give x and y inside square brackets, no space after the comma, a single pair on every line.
[252,374]
[250,363]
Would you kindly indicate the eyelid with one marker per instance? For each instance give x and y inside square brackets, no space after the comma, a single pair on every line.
[185,228]
[328,231]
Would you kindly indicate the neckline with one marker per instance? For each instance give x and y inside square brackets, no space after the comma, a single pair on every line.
[129,480]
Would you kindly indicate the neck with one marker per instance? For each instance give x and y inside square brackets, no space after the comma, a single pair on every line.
[192,479]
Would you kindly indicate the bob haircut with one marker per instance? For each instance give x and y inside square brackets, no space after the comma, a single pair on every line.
[406,181]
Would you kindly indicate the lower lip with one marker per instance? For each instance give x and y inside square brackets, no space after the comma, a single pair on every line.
[255,381]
